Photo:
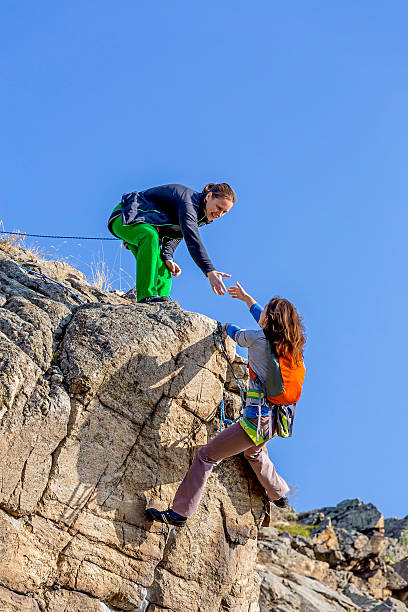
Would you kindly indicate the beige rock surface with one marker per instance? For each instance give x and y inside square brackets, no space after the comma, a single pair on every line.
[103,407]
[14,602]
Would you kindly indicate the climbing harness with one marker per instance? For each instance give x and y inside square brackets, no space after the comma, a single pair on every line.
[53,281]
[256,397]
[245,423]
[252,431]
[280,416]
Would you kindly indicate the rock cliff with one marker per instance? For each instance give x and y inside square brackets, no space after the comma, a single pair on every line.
[103,404]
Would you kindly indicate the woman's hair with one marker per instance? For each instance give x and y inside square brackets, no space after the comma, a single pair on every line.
[221,190]
[284,329]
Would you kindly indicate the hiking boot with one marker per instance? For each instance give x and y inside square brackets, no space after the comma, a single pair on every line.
[166,516]
[282,502]
[154,298]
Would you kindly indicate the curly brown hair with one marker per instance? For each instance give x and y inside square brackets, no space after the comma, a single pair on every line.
[284,329]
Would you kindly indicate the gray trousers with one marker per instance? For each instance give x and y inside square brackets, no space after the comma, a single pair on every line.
[227,443]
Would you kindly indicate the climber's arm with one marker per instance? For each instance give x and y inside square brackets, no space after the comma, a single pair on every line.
[231,330]
[243,337]
[256,311]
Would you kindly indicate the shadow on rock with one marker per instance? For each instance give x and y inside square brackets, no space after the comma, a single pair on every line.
[145,386]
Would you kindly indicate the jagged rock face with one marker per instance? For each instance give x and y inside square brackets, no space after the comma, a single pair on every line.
[103,407]
[396,532]
[358,529]
[341,549]
[349,514]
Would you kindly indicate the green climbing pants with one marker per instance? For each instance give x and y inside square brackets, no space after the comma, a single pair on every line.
[152,274]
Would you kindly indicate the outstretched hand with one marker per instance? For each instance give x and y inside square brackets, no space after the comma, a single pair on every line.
[173,267]
[216,281]
[238,292]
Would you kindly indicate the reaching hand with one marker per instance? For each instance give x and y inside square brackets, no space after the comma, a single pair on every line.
[216,281]
[173,267]
[239,293]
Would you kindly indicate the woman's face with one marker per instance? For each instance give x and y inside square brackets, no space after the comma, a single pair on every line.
[216,207]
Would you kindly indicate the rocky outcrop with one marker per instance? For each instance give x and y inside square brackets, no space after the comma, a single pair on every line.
[332,559]
[396,534]
[103,407]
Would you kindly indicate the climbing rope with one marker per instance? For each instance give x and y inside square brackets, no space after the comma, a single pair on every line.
[224,421]
[24,234]
[242,389]
[240,384]
[53,281]
[62,237]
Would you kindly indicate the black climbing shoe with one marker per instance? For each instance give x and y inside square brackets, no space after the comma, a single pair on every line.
[154,298]
[282,502]
[166,516]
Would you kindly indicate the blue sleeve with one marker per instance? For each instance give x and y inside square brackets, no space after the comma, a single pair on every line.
[232,330]
[256,311]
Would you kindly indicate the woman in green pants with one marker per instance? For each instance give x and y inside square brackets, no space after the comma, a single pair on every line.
[154,221]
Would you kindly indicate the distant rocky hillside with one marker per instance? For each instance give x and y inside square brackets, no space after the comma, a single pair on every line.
[334,559]
[103,404]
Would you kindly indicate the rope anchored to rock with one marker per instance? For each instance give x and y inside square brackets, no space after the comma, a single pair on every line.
[242,389]
[53,237]
[53,281]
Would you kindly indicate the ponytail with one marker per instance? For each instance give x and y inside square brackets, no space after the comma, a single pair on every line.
[221,190]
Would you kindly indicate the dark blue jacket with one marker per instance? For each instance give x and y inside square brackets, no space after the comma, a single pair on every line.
[176,212]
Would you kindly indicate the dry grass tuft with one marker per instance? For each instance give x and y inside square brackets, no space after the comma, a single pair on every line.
[12,243]
[100,277]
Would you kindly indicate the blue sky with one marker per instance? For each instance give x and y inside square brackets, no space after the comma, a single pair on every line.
[302,108]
